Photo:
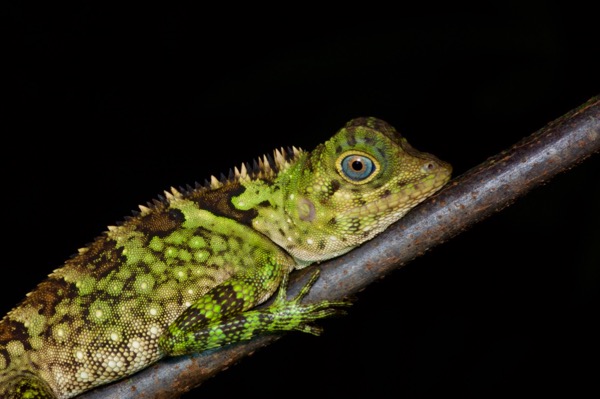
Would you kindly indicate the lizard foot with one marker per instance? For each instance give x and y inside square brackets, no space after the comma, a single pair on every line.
[293,315]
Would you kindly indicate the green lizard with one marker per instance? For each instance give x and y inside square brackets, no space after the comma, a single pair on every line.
[185,273]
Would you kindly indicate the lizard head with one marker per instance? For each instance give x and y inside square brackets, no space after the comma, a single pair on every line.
[348,190]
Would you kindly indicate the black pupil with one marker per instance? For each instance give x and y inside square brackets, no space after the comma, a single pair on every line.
[357,165]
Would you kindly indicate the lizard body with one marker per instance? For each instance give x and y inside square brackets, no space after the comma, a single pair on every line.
[184,274]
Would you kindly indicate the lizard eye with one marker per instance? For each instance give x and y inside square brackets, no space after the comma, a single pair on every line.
[357,167]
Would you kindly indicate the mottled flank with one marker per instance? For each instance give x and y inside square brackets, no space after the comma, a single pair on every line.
[185,273]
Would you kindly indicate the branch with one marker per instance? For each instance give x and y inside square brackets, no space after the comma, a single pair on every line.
[467,200]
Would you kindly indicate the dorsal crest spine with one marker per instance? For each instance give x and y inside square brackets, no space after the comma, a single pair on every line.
[265,168]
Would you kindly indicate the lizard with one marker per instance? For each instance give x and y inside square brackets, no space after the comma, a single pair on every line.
[186,272]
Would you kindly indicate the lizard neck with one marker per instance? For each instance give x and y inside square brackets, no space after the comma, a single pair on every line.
[284,212]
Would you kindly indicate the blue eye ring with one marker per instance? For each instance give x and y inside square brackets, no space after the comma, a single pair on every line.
[357,167]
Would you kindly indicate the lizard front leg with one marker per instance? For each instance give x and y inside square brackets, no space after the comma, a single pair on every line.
[222,317]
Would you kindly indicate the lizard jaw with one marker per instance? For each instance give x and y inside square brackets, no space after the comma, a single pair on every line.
[398,204]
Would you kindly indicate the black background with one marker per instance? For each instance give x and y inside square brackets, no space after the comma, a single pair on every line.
[112,105]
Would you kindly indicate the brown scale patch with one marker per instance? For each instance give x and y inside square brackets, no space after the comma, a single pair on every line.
[160,222]
[212,266]
[363,121]
[386,194]
[10,330]
[160,278]
[101,257]
[13,330]
[142,267]
[50,293]
[376,124]
[129,284]
[308,164]
[354,224]
[66,319]
[218,202]
[324,199]
[266,204]
[351,140]
[335,185]
[239,240]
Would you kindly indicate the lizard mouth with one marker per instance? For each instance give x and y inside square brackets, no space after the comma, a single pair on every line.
[397,204]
